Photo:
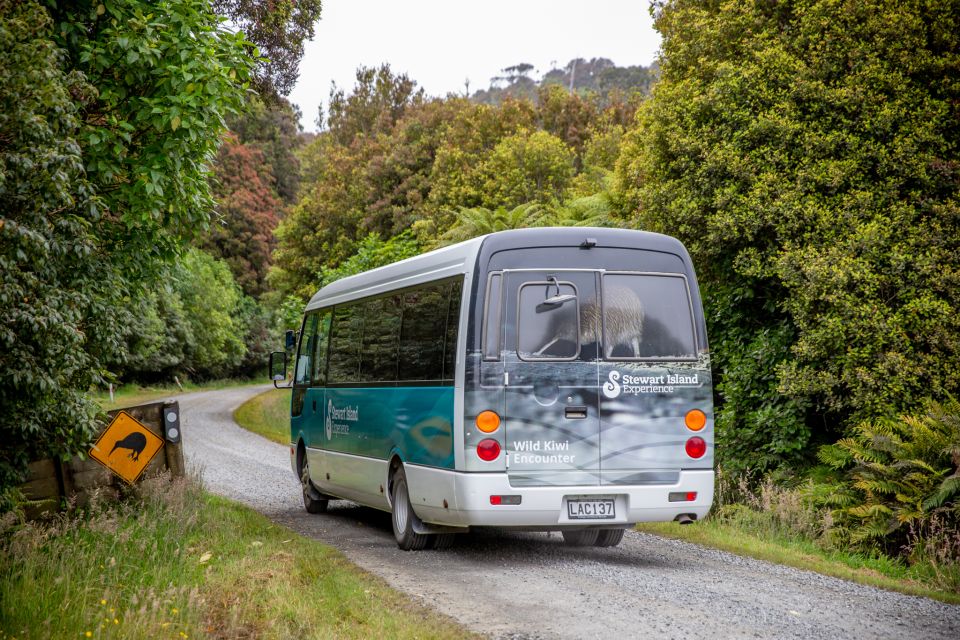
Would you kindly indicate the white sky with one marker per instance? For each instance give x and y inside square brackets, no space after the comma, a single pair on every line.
[440,44]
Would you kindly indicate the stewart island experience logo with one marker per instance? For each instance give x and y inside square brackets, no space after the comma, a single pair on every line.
[329,421]
[611,389]
[348,413]
[636,385]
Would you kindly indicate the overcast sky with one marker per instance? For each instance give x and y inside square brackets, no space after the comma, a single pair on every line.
[440,44]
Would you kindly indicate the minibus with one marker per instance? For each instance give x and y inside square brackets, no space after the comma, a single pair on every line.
[546,379]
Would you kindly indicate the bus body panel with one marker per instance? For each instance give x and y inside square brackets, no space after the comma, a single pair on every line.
[357,478]
[415,421]
[544,507]
[643,431]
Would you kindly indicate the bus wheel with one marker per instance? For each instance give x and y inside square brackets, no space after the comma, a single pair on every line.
[443,541]
[580,537]
[313,501]
[403,515]
[609,537]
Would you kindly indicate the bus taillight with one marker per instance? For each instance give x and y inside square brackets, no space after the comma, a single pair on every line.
[696,447]
[488,450]
[488,421]
[695,420]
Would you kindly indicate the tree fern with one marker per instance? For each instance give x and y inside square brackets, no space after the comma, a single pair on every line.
[899,474]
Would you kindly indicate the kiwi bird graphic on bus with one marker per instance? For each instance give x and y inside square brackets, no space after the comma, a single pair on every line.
[136,442]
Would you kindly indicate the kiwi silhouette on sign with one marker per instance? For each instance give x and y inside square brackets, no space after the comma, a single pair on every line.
[126,447]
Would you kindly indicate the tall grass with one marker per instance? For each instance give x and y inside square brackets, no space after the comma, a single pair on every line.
[267,414]
[788,524]
[120,570]
[170,561]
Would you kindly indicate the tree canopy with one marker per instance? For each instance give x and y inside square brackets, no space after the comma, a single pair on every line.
[109,116]
[806,154]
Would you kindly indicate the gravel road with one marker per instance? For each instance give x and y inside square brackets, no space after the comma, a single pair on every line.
[528,585]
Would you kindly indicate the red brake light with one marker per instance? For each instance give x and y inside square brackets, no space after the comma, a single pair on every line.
[488,449]
[696,447]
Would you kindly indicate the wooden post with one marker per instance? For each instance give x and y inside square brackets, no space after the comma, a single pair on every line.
[173,439]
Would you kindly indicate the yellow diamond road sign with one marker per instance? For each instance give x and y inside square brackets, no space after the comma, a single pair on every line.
[126,447]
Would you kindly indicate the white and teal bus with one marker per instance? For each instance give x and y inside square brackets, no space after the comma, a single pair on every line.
[551,379]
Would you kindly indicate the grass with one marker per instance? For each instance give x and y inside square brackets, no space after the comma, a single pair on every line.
[174,562]
[757,540]
[130,395]
[267,414]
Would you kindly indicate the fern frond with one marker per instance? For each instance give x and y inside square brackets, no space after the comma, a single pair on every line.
[948,491]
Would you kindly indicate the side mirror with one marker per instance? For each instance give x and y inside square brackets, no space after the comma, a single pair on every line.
[278,367]
[290,340]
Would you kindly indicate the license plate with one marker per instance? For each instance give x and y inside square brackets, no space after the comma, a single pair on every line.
[591,509]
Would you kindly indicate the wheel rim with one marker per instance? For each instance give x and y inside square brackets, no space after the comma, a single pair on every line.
[400,507]
[305,478]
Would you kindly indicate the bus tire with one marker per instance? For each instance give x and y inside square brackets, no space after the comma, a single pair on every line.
[313,500]
[580,537]
[402,515]
[443,541]
[609,537]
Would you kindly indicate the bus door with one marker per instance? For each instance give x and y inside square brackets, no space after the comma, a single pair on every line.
[551,336]
[651,377]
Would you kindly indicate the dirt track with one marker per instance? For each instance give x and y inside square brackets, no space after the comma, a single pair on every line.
[531,586]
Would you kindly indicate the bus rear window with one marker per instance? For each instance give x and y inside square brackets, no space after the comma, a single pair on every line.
[647,316]
[548,326]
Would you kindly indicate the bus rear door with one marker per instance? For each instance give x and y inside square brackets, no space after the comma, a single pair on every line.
[551,334]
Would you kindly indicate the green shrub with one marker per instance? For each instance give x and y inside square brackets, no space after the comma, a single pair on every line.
[900,485]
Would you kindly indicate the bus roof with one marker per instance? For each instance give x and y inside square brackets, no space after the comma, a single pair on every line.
[461,258]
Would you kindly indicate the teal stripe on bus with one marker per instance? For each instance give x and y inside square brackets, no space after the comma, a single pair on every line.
[373,421]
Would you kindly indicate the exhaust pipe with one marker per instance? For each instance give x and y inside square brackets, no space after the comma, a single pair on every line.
[686,518]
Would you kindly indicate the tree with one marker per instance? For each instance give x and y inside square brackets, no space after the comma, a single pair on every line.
[377,101]
[472,135]
[806,155]
[107,122]
[247,209]
[211,302]
[526,167]
[477,221]
[278,28]
[273,127]
[369,173]
[565,115]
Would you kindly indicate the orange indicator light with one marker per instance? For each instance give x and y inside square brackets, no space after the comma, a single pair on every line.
[488,421]
[695,420]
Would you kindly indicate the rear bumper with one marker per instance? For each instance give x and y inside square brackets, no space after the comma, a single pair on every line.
[547,506]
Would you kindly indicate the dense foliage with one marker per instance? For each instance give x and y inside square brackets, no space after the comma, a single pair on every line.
[392,160]
[279,28]
[901,480]
[247,208]
[806,154]
[109,113]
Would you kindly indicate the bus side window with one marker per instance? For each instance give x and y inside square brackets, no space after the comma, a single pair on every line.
[453,325]
[422,333]
[381,334]
[308,339]
[320,349]
[491,319]
[345,338]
